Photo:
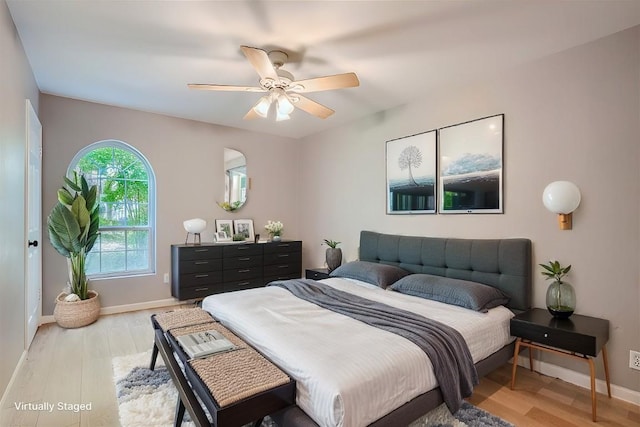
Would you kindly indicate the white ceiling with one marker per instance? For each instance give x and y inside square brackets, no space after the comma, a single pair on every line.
[142,54]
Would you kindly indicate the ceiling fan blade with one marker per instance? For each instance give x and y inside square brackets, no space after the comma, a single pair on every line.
[225,87]
[259,59]
[251,114]
[318,84]
[312,107]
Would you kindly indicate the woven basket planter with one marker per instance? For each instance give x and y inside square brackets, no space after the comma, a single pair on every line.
[77,313]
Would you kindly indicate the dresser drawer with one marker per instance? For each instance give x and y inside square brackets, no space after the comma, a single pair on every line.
[283,269]
[199,279]
[281,247]
[243,284]
[200,265]
[200,291]
[281,276]
[199,252]
[241,250]
[241,274]
[242,262]
[282,257]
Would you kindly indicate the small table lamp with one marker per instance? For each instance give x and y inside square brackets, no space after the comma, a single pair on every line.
[194,226]
[562,198]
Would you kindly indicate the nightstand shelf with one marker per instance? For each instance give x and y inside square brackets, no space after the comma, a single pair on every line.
[579,337]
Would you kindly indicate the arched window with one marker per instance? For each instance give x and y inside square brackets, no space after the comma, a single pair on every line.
[126,184]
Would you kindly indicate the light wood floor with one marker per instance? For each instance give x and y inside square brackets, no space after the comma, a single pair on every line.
[74,366]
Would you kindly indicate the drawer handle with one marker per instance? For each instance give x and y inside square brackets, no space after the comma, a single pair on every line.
[244,271]
[201,289]
[242,248]
[283,255]
[284,266]
[201,250]
[283,245]
[200,276]
[546,335]
[244,283]
[244,259]
[201,262]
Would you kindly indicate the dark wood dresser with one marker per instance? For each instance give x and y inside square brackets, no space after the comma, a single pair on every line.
[201,270]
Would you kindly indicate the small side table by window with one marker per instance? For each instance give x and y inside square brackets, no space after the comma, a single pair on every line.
[580,337]
[316,273]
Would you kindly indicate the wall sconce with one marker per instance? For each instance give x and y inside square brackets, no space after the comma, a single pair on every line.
[562,198]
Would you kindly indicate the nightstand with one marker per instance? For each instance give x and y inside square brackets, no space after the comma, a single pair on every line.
[579,337]
[316,273]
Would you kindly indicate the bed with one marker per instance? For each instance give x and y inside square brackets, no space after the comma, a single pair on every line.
[351,374]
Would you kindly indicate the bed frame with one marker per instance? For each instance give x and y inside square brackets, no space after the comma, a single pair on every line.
[502,263]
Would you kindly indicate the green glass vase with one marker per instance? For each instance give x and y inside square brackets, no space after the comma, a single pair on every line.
[561,299]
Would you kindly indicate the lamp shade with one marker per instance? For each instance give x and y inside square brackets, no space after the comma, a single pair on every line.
[561,197]
[195,225]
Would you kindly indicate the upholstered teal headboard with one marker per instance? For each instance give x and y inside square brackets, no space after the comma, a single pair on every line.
[502,263]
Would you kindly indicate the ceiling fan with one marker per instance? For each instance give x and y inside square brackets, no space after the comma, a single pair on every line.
[282,90]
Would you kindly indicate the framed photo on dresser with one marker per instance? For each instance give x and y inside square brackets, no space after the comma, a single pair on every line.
[224,225]
[244,227]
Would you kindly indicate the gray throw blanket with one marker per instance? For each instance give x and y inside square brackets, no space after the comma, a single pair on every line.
[445,347]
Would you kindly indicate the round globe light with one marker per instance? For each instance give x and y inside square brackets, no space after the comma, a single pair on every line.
[195,225]
[561,197]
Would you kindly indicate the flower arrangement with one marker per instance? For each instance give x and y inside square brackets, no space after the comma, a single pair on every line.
[274,228]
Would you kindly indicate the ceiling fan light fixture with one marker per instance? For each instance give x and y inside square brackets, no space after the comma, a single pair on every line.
[281,116]
[284,105]
[262,106]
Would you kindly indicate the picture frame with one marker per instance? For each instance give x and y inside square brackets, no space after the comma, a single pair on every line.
[225,225]
[470,178]
[244,227]
[222,236]
[411,174]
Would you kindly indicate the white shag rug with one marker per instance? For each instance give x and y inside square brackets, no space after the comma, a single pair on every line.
[148,399]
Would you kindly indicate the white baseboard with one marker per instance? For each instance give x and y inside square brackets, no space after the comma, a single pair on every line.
[23,357]
[580,379]
[126,308]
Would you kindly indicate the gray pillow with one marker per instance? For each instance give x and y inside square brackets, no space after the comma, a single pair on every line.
[381,275]
[471,295]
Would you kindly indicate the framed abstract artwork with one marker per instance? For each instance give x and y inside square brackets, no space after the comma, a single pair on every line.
[411,174]
[471,166]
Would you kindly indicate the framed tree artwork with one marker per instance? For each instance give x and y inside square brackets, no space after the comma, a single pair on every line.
[411,174]
[470,166]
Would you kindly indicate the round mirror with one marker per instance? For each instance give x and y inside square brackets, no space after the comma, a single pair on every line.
[235,179]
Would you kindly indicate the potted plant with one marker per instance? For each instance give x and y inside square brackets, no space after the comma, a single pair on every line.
[73,230]
[561,298]
[333,255]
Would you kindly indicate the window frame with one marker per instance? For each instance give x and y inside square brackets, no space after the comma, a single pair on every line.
[113,143]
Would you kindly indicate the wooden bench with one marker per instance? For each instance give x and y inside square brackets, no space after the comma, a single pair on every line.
[236,387]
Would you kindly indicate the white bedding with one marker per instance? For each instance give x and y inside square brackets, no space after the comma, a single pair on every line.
[348,373]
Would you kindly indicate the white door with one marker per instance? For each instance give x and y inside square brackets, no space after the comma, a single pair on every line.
[33,275]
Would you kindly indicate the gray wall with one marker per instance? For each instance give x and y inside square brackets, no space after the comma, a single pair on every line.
[187,158]
[574,116]
[16,85]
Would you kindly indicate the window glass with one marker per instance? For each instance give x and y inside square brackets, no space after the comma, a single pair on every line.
[126,186]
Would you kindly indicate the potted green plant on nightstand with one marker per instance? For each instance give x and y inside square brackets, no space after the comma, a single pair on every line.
[73,230]
[561,298]
[333,255]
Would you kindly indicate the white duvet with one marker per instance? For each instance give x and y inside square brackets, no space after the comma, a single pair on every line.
[348,373]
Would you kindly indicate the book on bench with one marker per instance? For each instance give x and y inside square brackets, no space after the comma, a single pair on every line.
[202,344]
